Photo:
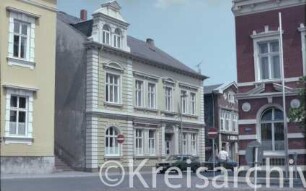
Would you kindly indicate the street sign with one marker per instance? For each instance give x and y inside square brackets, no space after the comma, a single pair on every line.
[254,148]
[212,133]
[120,138]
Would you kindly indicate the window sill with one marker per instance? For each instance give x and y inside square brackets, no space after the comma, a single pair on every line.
[145,109]
[21,63]
[268,81]
[145,156]
[169,113]
[18,140]
[112,157]
[119,105]
[189,115]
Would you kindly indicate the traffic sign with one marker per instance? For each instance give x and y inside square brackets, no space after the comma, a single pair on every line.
[212,133]
[120,138]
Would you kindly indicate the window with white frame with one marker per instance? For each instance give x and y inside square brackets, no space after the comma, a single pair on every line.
[117,38]
[139,92]
[184,103]
[18,116]
[151,142]
[168,98]
[194,144]
[21,40]
[235,122]
[192,103]
[106,35]
[269,60]
[151,95]
[227,121]
[112,90]
[139,147]
[112,147]
[185,143]
[231,97]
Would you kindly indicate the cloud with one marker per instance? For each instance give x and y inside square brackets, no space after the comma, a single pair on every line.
[167,3]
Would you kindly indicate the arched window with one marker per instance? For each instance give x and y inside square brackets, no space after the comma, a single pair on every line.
[117,38]
[106,34]
[111,144]
[272,129]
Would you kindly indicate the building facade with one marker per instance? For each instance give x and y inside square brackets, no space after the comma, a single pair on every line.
[110,84]
[27,71]
[259,75]
[221,112]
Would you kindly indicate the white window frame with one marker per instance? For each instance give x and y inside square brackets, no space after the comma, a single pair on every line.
[106,34]
[139,139]
[184,102]
[108,86]
[267,36]
[194,144]
[169,99]
[117,40]
[112,151]
[152,143]
[231,97]
[151,100]
[193,101]
[28,137]
[22,17]
[184,143]
[139,92]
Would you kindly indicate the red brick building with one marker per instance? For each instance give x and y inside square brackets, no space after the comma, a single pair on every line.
[259,75]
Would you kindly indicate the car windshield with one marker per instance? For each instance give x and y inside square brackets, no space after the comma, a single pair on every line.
[173,157]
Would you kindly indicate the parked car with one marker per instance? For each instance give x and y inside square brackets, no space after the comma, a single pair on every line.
[180,161]
[228,164]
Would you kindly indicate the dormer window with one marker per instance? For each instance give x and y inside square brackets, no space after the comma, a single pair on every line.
[106,34]
[117,38]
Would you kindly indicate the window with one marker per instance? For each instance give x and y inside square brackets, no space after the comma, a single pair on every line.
[231,97]
[272,131]
[111,144]
[151,142]
[18,116]
[112,88]
[235,123]
[185,145]
[184,105]
[193,144]
[269,60]
[139,88]
[106,34]
[21,39]
[192,103]
[227,121]
[168,98]
[151,96]
[117,38]
[139,142]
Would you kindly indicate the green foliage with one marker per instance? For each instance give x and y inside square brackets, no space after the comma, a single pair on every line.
[298,115]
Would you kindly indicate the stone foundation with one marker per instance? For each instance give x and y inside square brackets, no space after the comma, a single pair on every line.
[27,165]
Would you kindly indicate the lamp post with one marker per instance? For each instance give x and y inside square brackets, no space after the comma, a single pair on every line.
[184,95]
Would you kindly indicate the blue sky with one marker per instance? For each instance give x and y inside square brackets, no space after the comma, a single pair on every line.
[192,31]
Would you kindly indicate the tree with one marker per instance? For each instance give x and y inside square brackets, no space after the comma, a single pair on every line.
[298,115]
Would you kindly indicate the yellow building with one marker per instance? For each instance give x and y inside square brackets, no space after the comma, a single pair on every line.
[27,59]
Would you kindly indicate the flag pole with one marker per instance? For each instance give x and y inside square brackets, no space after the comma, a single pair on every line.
[284,96]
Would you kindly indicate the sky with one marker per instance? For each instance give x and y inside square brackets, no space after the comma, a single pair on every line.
[192,31]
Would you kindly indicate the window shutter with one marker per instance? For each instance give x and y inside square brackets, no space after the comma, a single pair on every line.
[11,36]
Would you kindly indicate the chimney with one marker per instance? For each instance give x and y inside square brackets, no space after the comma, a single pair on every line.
[83,15]
[150,42]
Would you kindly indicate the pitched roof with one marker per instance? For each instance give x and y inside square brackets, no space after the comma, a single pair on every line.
[209,89]
[138,47]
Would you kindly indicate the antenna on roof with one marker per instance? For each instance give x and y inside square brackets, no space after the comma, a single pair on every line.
[199,67]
